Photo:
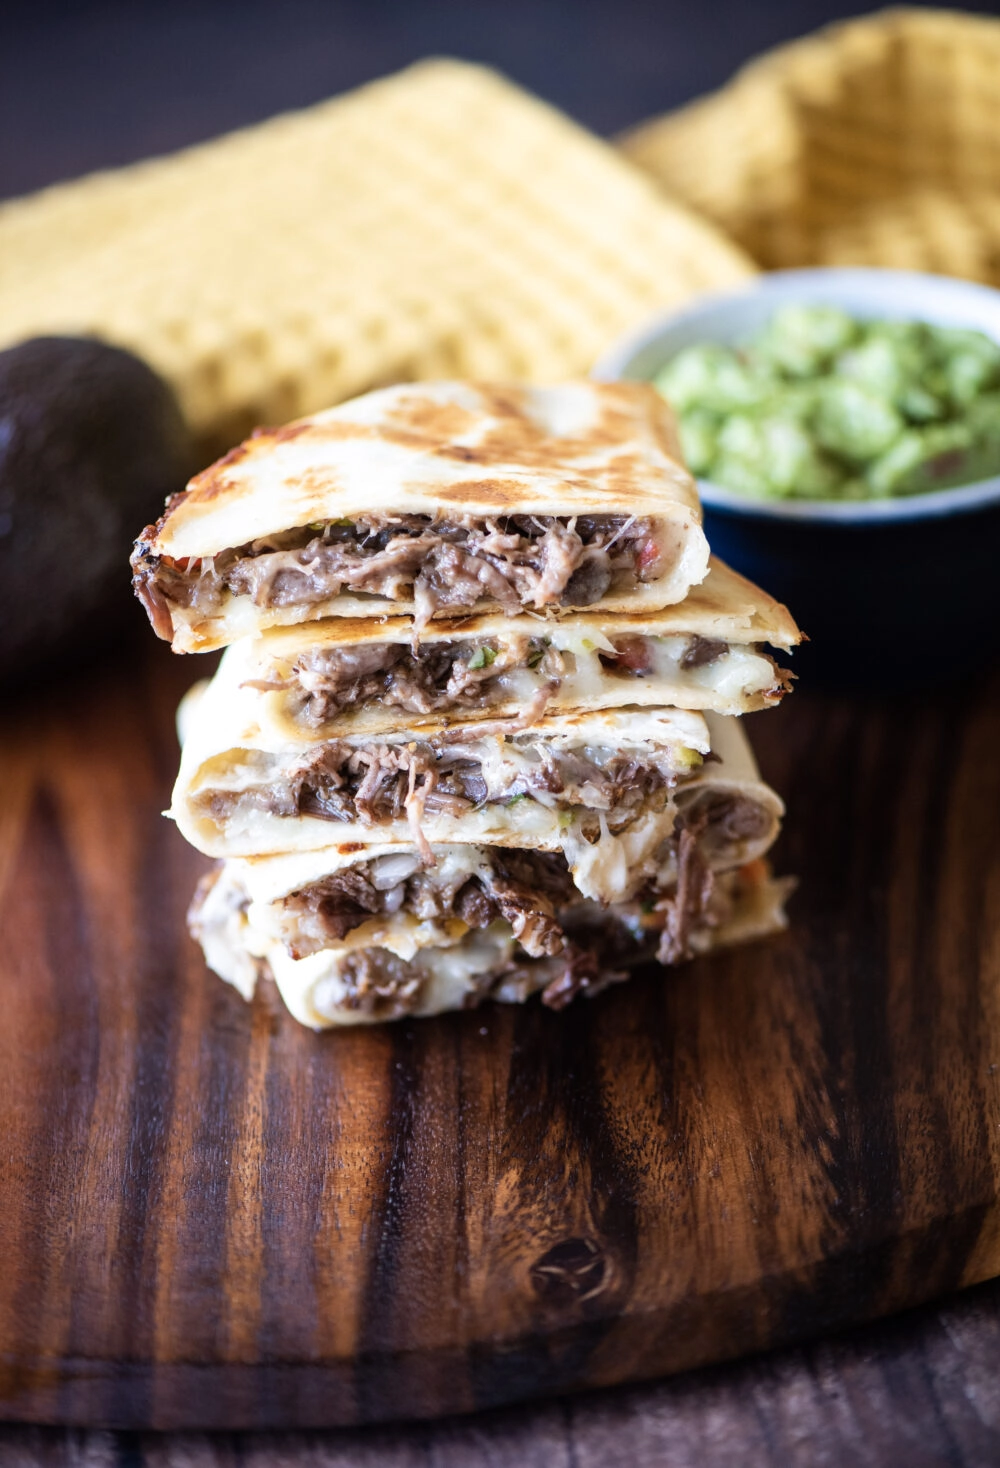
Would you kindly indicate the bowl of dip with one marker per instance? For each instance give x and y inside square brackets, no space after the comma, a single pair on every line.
[844,427]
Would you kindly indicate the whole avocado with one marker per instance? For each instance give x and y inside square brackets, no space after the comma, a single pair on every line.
[92,442]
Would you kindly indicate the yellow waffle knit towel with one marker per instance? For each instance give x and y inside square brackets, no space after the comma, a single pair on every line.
[873,142]
[438,223]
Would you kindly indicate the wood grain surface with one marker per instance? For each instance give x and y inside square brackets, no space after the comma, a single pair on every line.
[922,1389]
[210,1217]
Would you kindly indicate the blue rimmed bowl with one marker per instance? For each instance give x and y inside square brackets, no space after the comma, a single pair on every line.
[892,591]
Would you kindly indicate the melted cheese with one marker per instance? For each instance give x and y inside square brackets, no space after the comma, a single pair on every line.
[314,990]
[613,868]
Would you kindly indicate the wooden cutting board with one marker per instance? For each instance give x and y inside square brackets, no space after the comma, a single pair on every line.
[210,1217]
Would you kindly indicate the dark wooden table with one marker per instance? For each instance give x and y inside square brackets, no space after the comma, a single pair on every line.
[85,86]
[921,1390]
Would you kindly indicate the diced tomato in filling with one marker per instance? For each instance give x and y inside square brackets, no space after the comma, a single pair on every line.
[633,655]
[948,463]
[647,559]
[754,872]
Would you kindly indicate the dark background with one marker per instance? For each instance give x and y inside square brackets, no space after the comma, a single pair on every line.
[92,85]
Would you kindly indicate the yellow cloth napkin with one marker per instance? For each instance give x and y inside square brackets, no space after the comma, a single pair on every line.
[873,142]
[440,222]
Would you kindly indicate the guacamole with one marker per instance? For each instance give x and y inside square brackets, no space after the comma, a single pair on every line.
[818,405]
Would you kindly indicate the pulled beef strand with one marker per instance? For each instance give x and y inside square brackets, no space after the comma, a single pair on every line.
[526,719]
[527,887]
[377,982]
[414,804]
[156,605]
[338,904]
[689,903]
[455,580]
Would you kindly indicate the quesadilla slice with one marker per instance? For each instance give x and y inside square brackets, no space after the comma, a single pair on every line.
[431,500]
[340,675]
[607,788]
[484,924]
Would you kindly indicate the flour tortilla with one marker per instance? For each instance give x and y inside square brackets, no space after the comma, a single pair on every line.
[227,755]
[279,854]
[580,448]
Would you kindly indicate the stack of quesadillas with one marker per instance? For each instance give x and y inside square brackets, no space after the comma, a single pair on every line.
[475,733]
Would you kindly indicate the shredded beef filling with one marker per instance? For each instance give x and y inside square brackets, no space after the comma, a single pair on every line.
[445,566]
[727,819]
[533,891]
[437,677]
[701,651]
[387,782]
[431,678]
[563,952]
[380,983]
[523,887]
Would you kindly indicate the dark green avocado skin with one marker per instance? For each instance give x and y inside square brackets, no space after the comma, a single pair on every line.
[92,442]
